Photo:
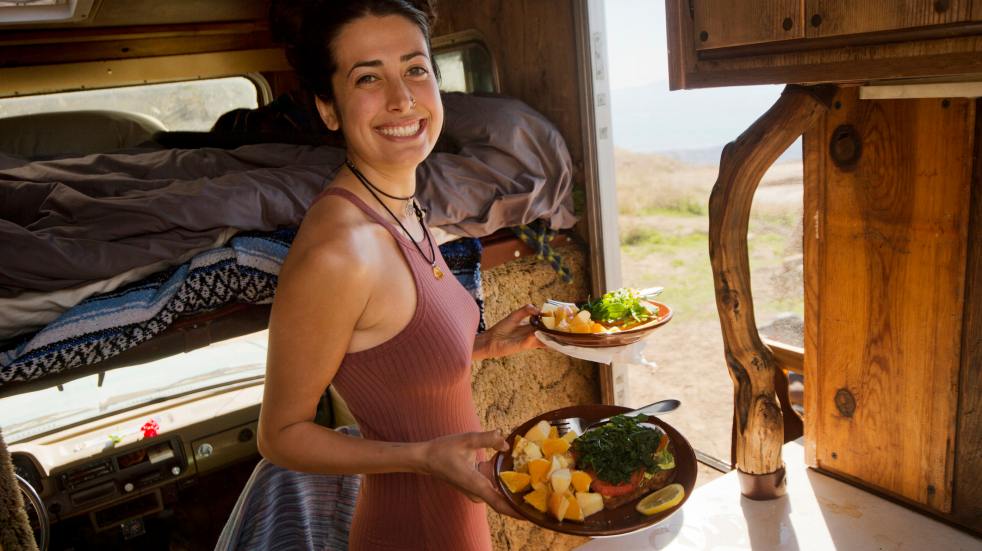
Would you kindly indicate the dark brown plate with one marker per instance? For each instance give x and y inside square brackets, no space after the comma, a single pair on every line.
[624,519]
[605,340]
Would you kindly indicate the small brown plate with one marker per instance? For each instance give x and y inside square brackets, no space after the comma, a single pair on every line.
[605,340]
[622,520]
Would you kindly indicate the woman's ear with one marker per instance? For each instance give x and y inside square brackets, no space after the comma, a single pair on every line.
[326,111]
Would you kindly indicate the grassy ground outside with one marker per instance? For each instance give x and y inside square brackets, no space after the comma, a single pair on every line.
[663,220]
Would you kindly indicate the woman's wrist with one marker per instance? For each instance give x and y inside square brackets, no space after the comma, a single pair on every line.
[418,458]
[482,344]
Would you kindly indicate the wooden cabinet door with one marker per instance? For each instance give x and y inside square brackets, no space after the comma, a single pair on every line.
[722,23]
[885,290]
[840,17]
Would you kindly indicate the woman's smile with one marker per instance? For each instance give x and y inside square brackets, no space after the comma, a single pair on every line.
[403,129]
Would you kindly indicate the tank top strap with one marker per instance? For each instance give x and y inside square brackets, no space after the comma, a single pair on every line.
[356,201]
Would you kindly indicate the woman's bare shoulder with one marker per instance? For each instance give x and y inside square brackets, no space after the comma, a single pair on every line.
[335,235]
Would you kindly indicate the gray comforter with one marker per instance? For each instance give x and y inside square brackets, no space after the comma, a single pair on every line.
[67,222]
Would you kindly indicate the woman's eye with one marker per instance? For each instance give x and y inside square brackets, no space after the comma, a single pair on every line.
[366,79]
[417,71]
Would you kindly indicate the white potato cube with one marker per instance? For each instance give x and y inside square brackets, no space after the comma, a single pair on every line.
[590,502]
[539,432]
[560,480]
[532,451]
[557,463]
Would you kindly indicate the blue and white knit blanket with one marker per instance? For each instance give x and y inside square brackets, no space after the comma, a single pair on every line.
[283,510]
[243,271]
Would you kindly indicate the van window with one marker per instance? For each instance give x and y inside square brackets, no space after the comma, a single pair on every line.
[227,362]
[191,105]
[465,68]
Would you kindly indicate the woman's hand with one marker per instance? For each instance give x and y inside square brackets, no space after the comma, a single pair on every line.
[508,336]
[453,459]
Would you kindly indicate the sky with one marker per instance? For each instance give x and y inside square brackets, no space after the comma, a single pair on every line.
[647,116]
[636,42]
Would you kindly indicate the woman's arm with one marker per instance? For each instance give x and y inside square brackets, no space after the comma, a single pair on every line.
[508,336]
[322,292]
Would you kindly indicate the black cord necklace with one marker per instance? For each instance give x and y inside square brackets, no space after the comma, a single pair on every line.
[437,272]
[351,166]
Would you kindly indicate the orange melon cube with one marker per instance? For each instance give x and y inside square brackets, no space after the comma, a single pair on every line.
[516,482]
[553,446]
[538,470]
[558,505]
[537,499]
[573,512]
[581,481]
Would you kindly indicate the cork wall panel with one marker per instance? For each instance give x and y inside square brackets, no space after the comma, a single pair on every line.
[509,391]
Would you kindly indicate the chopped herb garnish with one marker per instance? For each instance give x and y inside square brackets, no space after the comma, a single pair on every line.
[620,306]
[619,448]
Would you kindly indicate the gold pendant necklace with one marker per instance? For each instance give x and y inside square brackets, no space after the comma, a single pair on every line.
[437,272]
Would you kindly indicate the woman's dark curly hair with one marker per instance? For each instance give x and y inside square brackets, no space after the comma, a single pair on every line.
[308,29]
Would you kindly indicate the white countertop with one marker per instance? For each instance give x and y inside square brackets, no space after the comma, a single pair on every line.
[818,513]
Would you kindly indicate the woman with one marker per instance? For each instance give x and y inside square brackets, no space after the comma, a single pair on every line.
[365,302]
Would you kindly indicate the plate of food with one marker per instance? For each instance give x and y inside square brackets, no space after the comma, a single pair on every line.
[617,478]
[618,318]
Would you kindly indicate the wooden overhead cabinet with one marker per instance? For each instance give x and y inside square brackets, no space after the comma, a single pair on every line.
[837,18]
[727,43]
[724,23]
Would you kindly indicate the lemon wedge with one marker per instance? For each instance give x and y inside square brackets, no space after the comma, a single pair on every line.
[662,500]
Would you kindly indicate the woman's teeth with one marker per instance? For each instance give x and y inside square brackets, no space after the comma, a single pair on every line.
[400,131]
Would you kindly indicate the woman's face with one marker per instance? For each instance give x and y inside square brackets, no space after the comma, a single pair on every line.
[383,66]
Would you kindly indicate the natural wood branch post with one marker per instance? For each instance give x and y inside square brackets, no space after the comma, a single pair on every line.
[758,421]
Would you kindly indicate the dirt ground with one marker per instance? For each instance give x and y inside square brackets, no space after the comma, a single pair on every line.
[686,356]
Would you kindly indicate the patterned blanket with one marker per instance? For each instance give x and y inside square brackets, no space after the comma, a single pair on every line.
[243,271]
[285,510]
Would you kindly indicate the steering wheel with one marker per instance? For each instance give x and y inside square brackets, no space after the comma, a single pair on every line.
[33,501]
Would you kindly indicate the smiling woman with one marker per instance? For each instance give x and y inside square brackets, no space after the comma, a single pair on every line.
[386,94]
[379,321]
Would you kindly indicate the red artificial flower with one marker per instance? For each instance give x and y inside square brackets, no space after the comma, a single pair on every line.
[150,429]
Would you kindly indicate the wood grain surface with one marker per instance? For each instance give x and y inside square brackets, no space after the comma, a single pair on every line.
[758,418]
[835,17]
[967,506]
[866,48]
[535,57]
[722,23]
[888,289]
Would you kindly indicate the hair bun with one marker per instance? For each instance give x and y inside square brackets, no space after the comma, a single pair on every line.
[286,18]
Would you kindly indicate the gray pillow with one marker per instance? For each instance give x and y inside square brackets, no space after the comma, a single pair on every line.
[74,133]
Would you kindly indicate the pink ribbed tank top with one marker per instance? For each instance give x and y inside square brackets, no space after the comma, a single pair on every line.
[415,387]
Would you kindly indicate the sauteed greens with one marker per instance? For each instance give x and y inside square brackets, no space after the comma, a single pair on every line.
[621,447]
[620,306]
